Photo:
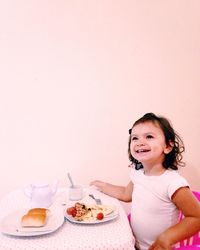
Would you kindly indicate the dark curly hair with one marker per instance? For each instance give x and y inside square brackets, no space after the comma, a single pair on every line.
[174,158]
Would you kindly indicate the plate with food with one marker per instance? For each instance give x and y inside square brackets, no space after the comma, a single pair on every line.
[33,222]
[90,214]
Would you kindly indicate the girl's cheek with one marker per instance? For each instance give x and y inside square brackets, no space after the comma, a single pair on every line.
[132,151]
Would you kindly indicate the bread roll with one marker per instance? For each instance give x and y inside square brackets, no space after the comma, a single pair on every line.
[33,220]
[35,217]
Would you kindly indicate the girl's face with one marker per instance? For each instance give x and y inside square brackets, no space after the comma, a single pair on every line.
[148,144]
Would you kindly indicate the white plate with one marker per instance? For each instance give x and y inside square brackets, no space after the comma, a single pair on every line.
[11,224]
[108,217]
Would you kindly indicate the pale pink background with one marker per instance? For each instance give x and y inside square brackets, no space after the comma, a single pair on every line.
[75,75]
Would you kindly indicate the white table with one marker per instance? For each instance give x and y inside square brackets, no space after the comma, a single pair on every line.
[112,235]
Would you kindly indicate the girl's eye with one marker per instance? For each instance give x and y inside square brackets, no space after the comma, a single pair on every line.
[134,138]
[149,137]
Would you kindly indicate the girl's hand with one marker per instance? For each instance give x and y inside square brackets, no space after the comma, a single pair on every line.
[120,192]
[98,184]
[161,244]
[158,246]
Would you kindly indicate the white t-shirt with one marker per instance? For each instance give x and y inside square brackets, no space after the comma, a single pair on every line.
[152,209]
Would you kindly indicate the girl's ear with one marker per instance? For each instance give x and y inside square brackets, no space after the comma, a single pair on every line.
[169,147]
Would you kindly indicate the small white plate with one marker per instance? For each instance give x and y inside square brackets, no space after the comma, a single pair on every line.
[108,217]
[11,224]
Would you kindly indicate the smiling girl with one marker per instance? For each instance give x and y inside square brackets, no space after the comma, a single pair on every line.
[157,191]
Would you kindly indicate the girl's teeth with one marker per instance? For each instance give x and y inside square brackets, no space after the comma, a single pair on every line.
[142,150]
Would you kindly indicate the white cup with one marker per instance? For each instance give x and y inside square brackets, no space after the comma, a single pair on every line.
[76,193]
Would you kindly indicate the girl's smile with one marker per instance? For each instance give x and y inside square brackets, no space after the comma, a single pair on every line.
[141,151]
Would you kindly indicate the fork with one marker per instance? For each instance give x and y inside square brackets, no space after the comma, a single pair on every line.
[98,201]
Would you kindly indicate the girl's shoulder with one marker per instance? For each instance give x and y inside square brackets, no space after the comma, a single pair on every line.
[173,173]
[175,181]
[173,176]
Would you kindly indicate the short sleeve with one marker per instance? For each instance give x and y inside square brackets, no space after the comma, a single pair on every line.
[175,184]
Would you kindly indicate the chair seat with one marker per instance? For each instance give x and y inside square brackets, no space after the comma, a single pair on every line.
[191,247]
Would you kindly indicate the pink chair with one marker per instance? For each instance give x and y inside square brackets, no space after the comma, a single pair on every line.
[192,243]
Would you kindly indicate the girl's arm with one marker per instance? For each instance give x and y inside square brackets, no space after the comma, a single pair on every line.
[119,192]
[189,225]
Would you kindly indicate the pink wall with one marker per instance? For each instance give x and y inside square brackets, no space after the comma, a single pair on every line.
[76,74]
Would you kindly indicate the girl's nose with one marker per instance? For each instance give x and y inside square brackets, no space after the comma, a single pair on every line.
[140,143]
